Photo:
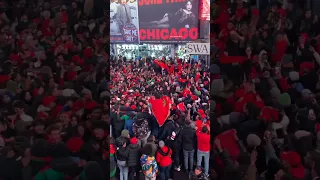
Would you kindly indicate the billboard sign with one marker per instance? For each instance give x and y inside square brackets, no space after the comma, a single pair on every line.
[198,48]
[168,21]
[204,12]
[124,23]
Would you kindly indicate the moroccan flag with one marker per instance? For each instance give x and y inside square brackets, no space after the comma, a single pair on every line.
[161,108]
[181,107]
[161,64]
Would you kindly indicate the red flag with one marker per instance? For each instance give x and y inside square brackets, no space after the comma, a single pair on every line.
[197,77]
[161,64]
[171,70]
[181,107]
[182,80]
[161,109]
[229,143]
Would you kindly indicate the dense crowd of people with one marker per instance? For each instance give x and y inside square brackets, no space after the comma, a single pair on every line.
[160,120]
[265,91]
[54,97]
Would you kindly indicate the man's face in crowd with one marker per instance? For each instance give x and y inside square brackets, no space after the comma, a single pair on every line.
[105,117]
[74,5]
[80,130]
[18,110]
[197,171]
[308,14]
[55,135]
[98,133]
[229,26]
[6,98]
[65,118]
[39,129]
[96,115]
[60,59]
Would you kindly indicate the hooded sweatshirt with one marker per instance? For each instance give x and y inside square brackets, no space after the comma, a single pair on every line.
[203,141]
[163,156]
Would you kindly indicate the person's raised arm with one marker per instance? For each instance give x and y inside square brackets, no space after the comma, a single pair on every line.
[315,55]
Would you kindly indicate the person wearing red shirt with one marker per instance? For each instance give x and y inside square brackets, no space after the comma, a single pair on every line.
[203,137]
[163,158]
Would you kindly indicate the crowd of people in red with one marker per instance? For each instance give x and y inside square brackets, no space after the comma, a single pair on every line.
[265,91]
[54,97]
[160,119]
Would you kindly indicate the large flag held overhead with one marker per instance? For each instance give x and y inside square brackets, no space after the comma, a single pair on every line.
[161,64]
[161,108]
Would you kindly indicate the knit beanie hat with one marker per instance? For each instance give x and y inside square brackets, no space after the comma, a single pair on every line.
[124,133]
[253,140]
[133,140]
[305,93]
[161,144]
[74,144]
[275,93]
[299,87]
[214,69]
[217,85]
[285,99]
[294,76]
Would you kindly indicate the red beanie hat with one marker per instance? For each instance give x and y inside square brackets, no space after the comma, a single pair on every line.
[46,101]
[74,144]
[291,157]
[76,58]
[87,52]
[133,107]
[200,111]
[133,140]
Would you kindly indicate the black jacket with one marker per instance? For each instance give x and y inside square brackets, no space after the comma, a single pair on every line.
[122,154]
[168,127]
[117,123]
[188,138]
[134,155]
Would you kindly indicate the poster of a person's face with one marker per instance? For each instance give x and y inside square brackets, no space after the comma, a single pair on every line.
[124,24]
[168,21]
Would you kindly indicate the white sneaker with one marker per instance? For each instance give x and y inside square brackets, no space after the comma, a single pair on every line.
[177,169]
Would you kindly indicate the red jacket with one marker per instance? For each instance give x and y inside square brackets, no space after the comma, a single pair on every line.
[203,141]
[163,156]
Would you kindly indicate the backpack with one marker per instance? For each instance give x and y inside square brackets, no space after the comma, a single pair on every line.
[177,129]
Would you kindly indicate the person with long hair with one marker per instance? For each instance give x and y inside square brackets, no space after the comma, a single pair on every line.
[184,17]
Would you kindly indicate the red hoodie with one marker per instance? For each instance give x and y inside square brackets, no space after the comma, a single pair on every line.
[203,141]
[163,156]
